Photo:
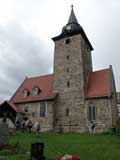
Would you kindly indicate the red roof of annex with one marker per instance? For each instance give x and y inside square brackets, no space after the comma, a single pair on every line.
[99,84]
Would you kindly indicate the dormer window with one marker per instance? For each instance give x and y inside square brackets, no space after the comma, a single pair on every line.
[25,93]
[35,91]
[26,108]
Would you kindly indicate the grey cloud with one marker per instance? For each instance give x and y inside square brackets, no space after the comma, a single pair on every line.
[21,55]
[103,28]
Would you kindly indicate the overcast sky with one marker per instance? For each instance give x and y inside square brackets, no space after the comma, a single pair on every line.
[26,29]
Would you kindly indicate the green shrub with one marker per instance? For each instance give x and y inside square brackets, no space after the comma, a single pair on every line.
[118,127]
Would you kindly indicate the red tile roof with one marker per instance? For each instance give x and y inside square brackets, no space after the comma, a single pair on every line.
[45,84]
[99,84]
[13,106]
[16,108]
[118,97]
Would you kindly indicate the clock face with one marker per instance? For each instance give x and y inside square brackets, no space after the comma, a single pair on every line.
[68,27]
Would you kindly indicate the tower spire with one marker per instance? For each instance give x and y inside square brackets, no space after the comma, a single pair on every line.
[72,28]
[72,18]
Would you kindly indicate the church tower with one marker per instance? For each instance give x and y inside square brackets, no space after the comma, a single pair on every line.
[72,66]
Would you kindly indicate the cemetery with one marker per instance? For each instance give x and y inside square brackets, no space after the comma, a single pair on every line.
[74,109]
[56,145]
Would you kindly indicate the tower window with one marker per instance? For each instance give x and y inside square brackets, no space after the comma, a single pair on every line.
[68,57]
[67,112]
[67,41]
[68,84]
[67,70]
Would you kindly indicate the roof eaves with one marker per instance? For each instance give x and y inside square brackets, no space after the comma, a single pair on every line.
[35,100]
[93,97]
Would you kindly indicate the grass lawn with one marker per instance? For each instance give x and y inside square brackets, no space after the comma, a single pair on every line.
[88,147]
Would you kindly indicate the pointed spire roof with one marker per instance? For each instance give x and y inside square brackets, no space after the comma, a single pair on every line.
[72,18]
[72,25]
[72,28]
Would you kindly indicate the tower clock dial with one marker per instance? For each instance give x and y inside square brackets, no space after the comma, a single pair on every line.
[68,27]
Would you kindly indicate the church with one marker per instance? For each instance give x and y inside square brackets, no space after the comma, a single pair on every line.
[72,99]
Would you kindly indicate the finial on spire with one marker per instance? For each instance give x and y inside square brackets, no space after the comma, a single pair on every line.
[72,6]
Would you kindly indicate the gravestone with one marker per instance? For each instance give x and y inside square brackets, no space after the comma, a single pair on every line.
[4,133]
[37,151]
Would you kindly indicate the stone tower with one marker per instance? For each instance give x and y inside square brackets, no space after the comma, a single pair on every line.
[72,65]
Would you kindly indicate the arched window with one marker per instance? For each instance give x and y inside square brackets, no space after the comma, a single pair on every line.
[35,91]
[25,93]
[67,112]
[118,108]
[68,84]
[26,108]
[42,109]
[92,113]
[67,70]
[68,57]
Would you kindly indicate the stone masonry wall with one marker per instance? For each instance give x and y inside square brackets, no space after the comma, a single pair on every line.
[103,114]
[113,100]
[46,122]
[69,57]
[87,62]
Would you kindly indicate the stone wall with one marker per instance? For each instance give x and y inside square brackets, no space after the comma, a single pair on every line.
[87,61]
[46,122]
[78,121]
[113,99]
[72,63]
[103,114]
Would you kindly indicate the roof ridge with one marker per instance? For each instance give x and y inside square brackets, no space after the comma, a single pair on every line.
[40,76]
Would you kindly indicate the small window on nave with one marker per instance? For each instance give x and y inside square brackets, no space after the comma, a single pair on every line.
[33,114]
[118,105]
[26,108]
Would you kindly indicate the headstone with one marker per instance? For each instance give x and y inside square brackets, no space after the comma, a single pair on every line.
[37,151]
[4,133]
